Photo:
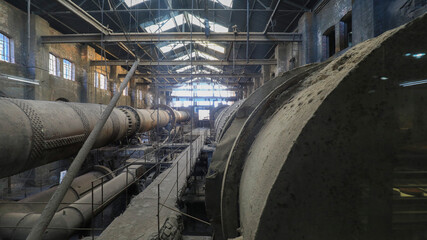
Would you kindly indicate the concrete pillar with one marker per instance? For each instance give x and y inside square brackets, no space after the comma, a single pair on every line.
[265,71]
[244,92]
[280,54]
[307,50]
[251,87]
[257,82]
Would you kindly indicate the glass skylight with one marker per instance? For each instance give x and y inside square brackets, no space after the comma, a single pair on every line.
[227,3]
[206,56]
[132,3]
[185,57]
[213,68]
[183,69]
[214,27]
[194,54]
[169,23]
[212,46]
[172,47]
[165,25]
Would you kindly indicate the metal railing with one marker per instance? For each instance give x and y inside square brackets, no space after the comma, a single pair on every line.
[189,166]
[190,154]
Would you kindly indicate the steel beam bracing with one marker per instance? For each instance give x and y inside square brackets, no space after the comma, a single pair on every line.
[85,16]
[257,37]
[186,63]
[195,75]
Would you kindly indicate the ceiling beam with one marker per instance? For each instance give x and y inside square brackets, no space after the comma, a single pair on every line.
[271,16]
[304,8]
[241,62]
[195,75]
[172,37]
[177,9]
[171,88]
[85,16]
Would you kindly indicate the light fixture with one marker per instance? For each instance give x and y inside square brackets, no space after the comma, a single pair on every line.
[413,83]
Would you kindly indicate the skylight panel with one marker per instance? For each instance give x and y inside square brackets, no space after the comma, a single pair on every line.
[212,46]
[166,24]
[227,3]
[213,68]
[185,57]
[214,27]
[132,3]
[172,47]
[206,56]
[183,69]
[195,20]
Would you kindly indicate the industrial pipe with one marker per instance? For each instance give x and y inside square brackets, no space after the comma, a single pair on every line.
[79,187]
[312,154]
[17,225]
[38,132]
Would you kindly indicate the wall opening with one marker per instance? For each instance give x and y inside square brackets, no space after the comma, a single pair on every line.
[61,99]
[329,42]
[204,115]
[202,93]
[346,32]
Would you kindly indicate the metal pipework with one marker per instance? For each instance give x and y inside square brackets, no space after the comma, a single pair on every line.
[79,188]
[312,154]
[17,224]
[38,132]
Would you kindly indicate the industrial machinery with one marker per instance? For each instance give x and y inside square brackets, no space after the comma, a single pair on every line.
[335,150]
[38,132]
[35,133]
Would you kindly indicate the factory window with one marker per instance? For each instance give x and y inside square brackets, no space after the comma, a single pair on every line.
[100,81]
[54,65]
[68,69]
[203,93]
[7,52]
[346,32]
[204,115]
[328,42]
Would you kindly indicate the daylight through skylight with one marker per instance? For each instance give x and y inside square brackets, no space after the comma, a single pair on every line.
[213,68]
[212,46]
[227,3]
[165,25]
[168,24]
[132,3]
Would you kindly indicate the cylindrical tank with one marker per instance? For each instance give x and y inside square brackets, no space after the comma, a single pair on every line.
[38,132]
[317,156]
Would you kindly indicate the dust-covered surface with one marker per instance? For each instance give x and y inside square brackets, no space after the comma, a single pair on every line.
[235,123]
[139,221]
[305,172]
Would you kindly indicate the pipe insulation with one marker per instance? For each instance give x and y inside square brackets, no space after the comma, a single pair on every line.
[35,133]
[81,186]
[17,225]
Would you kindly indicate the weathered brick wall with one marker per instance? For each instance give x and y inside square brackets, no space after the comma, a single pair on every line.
[370,18]
[13,23]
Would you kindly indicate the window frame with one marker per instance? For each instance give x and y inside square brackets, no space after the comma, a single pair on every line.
[56,63]
[71,68]
[7,54]
[100,81]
